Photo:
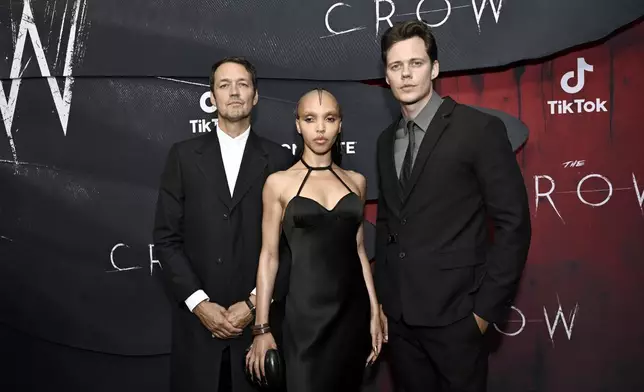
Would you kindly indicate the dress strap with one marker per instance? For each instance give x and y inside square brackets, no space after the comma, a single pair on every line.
[338,177]
[303,182]
[311,168]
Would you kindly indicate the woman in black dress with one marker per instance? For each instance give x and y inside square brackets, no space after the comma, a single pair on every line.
[332,327]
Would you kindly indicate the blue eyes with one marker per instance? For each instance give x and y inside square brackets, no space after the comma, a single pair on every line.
[413,64]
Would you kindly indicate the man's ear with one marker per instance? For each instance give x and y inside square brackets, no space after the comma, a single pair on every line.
[435,69]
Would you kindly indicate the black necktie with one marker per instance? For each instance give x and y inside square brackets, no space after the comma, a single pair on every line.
[405,170]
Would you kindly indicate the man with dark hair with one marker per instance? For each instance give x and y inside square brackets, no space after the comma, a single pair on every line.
[445,171]
[207,236]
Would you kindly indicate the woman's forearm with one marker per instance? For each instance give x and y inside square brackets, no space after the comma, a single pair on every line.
[266,273]
[368,279]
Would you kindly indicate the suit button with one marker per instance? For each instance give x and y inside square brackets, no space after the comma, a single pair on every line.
[219,260]
[403,222]
[401,255]
[225,216]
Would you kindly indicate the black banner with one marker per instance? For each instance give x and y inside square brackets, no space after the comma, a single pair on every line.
[289,39]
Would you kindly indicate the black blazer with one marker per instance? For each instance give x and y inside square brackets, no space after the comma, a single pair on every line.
[434,261]
[206,239]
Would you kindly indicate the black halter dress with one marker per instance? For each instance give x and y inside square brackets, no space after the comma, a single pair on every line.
[326,327]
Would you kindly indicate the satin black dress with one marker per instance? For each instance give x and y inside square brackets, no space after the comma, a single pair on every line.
[326,328]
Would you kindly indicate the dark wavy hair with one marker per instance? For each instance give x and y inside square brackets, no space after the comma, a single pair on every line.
[336,149]
[401,31]
[237,60]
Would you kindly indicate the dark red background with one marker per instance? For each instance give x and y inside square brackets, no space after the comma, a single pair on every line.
[594,258]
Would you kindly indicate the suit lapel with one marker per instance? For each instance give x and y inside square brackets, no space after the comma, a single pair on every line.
[390,186]
[254,162]
[434,132]
[212,166]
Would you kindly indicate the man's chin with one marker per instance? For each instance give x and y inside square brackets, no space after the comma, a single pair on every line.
[410,99]
[235,117]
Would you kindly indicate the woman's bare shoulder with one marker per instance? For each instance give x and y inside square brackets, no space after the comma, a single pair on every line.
[357,177]
[357,180]
[275,182]
[282,179]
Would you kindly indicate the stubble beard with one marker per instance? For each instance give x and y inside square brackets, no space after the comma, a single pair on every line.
[235,115]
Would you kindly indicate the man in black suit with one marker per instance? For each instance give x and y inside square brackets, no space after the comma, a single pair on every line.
[445,171]
[207,235]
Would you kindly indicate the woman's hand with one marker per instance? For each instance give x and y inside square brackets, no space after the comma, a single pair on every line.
[385,324]
[376,337]
[255,357]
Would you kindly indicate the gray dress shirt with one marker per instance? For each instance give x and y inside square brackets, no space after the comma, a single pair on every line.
[422,120]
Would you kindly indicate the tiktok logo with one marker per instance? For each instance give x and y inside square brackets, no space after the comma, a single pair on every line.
[580,105]
[582,67]
[205,125]
[206,104]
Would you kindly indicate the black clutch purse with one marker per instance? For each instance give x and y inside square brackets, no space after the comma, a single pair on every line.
[274,370]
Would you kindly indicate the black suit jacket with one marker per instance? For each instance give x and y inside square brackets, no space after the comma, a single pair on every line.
[435,263]
[206,239]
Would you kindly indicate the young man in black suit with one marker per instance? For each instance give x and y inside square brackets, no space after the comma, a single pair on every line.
[207,235]
[445,171]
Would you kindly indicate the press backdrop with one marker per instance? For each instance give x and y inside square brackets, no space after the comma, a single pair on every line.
[93,95]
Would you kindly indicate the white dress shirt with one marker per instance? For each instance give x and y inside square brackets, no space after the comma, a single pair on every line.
[232,151]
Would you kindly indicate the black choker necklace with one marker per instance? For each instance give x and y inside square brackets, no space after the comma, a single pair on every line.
[315,168]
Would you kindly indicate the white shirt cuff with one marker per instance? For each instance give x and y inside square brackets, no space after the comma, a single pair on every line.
[195,299]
